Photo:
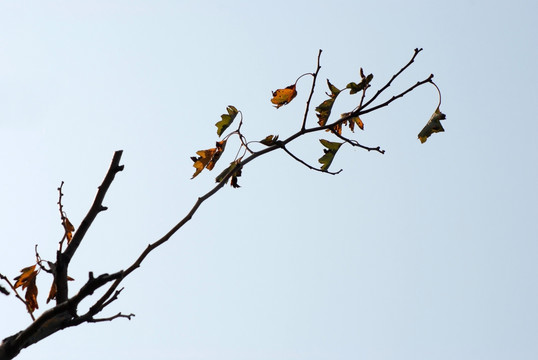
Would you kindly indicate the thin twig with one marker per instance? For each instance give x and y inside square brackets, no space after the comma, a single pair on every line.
[357,144]
[386,103]
[307,165]
[17,294]
[118,315]
[417,51]
[62,214]
[314,75]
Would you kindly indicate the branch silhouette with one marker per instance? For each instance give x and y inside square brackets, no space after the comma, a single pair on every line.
[65,313]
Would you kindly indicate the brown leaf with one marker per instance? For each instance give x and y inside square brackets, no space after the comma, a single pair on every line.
[208,158]
[433,126]
[284,96]
[69,228]
[31,296]
[28,273]
[52,292]
[203,160]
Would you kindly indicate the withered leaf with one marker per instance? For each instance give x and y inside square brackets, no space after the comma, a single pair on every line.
[352,121]
[52,292]
[208,158]
[433,126]
[362,85]
[329,152]
[269,140]
[26,276]
[324,109]
[284,96]
[233,179]
[69,228]
[31,296]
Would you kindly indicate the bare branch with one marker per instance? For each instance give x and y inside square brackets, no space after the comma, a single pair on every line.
[417,51]
[356,143]
[386,103]
[315,76]
[63,259]
[118,315]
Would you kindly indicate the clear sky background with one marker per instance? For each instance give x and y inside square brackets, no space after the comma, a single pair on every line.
[426,252]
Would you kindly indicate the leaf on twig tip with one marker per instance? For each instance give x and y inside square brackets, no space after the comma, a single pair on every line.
[226,119]
[330,151]
[284,96]
[324,109]
[208,158]
[433,126]
[269,140]
[362,85]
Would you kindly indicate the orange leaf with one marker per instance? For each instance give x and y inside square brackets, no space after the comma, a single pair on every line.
[284,96]
[31,296]
[203,160]
[220,149]
[28,273]
[69,228]
[208,158]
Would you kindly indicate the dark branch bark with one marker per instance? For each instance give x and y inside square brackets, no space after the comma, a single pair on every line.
[63,259]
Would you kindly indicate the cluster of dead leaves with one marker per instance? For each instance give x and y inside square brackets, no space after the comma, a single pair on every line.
[27,279]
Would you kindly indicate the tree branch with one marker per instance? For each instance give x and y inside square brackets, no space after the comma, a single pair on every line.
[63,259]
[386,103]
[118,315]
[64,314]
[315,76]
[308,166]
[417,51]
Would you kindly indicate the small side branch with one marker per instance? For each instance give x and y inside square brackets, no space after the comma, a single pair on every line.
[386,103]
[417,51]
[356,143]
[63,258]
[315,76]
[118,315]
[307,165]
[3,277]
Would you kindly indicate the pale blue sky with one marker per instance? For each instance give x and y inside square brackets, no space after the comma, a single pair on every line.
[427,252]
